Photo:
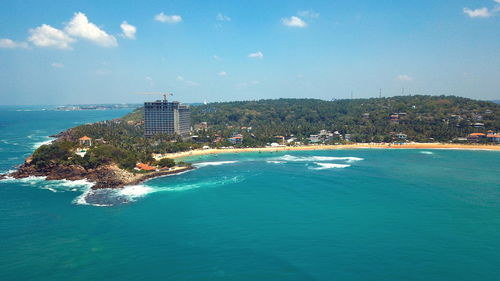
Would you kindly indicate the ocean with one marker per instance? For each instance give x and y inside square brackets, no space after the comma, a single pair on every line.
[305,215]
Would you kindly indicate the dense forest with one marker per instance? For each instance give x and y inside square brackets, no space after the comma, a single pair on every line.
[420,118]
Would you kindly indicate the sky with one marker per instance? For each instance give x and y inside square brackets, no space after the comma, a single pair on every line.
[87,52]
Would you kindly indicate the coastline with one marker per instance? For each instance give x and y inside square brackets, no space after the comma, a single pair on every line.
[108,176]
[201,152]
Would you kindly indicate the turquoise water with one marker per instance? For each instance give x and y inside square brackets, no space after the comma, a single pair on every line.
[316,215]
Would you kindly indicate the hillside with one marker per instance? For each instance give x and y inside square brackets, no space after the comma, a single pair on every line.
[422,118]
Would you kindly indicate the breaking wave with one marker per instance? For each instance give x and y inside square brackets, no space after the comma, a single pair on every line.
[109,197]
[324,166]
[317,158]
[427,152]
[205,164]
[40,143]
[275,162]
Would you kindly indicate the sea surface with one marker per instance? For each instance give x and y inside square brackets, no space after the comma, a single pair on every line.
[430,215]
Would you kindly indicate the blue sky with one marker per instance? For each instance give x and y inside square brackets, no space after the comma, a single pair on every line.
[64,52]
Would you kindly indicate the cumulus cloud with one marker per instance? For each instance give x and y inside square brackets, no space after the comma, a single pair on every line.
[57,65]
[221,17]
[309,14]
[161,17]
[222,73]
[478,13]
[294,21]
[10,44]
[404,78]
[497,8]
[48,36]
[257,55]
[79,26]
[128,30]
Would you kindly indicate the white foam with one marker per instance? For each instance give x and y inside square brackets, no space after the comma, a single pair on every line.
[72,184]
[205,164]
[427,152]
[82,199]
[31,180]
[135,191]
[40,143]
[49,188]
[275,162]
[318,158]
[324,166]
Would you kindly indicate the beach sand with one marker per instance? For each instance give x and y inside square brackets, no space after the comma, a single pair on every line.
[200,152]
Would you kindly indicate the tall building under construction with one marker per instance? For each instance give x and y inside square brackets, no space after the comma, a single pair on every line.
[164,117]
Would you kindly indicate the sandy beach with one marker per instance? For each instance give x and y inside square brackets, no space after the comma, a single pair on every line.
[200,152]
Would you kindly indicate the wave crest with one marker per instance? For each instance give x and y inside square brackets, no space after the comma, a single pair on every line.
[324,166]
[205,164]
[318,158]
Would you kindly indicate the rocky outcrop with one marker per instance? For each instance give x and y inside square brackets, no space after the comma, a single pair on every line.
[105,176]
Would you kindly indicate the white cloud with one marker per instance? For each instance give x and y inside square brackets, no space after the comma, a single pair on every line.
[478,13]
[497,1]
[222,73]
[10,44]
[128,30]
[79,26]
[294,21]
[308,14]
[216,57]
[48,36]
[150,80]
[185,81]
[257,55]
[57,65]
[221,17]
[404,78]
[161,17]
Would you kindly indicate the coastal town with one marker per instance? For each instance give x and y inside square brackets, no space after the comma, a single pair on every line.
[168,124]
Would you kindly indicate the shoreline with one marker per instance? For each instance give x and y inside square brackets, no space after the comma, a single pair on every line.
[109,176]
[201,152]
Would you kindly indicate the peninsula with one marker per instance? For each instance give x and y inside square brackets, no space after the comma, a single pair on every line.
[116,153]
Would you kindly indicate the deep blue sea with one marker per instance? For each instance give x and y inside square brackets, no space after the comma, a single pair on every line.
[430,215]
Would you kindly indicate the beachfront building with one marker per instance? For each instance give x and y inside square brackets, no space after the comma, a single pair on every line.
[401,136]
[492,137]
[144,167]
[236,139]
[476,137]
[163,117]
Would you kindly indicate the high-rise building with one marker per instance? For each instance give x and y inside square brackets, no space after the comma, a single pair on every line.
[163,117]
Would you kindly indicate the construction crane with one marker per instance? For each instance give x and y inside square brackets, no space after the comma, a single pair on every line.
[164,94]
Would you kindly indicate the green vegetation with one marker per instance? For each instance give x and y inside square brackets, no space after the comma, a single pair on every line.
[424,118]
[56,153]
[421,118]
[166,162]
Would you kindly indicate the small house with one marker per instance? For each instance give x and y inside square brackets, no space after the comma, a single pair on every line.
[85,141]
[236,139]
[401,136]
[144,167]
[476,137]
